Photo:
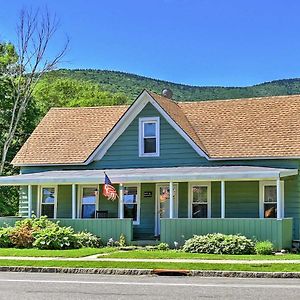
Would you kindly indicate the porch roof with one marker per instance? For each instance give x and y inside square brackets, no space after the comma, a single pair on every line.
[176,174]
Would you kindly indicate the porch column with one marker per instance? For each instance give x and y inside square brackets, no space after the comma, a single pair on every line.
[279,198]
[171,200]
[121,206]
[29,200]
[73,201]
[222,199]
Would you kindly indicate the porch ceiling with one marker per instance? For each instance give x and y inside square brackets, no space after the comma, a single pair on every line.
[177,174]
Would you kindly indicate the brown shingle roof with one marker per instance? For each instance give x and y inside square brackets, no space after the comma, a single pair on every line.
[69,135]
[173,110]
[241,128]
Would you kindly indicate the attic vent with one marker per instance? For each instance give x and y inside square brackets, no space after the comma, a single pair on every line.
[167,93]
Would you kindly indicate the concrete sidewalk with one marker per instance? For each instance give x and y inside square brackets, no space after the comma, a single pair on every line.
[97,258]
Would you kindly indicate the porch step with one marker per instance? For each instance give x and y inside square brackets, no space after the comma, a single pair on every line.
[143,243]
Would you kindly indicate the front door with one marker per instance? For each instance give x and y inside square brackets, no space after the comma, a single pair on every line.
[163,203]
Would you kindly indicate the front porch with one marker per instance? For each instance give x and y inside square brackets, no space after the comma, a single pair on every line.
[168,203]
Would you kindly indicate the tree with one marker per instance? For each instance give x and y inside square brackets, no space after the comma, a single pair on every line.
[24,67]
[57,92]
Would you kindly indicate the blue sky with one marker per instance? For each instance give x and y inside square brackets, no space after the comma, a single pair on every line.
[198,42]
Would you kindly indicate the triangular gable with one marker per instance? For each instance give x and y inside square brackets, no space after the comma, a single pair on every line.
[143,99]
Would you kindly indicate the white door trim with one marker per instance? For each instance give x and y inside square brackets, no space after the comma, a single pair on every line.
[157,217]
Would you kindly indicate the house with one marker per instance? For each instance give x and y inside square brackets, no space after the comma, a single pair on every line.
[181,168]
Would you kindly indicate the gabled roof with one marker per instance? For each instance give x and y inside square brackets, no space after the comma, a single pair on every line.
[267,127]
[68,135]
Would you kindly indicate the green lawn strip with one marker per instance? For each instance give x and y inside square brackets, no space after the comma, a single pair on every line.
[281,267]
[54,253]
[156,254]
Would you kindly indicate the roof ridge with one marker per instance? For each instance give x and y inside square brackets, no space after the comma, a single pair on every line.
[240,99]
[88,107]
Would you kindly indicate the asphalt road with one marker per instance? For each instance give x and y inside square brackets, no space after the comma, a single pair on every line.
[76,286]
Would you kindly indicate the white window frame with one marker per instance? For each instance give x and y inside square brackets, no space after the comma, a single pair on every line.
[143,121]
[40,196]
[190,197]
[138,201]
[262,185]
[79,197]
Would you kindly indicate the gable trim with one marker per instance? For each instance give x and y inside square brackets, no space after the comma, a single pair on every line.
[126,120]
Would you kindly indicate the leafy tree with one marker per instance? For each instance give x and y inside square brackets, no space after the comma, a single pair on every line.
[63,92]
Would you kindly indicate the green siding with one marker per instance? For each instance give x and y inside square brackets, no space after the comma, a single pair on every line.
[242,199]
[64,201]
[279,232]
[183,201]
[23,200]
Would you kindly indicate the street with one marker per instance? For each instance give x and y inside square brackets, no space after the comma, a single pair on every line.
[77,286]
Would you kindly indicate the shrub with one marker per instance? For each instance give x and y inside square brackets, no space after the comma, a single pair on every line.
[163,246]
[218,243]
[5,241]
[122,240]
[264,248]
[87,239]
[56,237]
[21,235]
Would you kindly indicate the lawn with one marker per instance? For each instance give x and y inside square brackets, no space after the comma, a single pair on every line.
[173,254]
[266,267]
[54,253]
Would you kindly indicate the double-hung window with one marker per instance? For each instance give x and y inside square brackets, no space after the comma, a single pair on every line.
[200,206]
[131,203]
[89,196]
[268,199]
[149,142]
[48,202]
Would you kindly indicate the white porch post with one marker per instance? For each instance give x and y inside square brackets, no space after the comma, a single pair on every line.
[29,200]
[73,201]
[222,199]
[121,206]
[279,198]
[171,200]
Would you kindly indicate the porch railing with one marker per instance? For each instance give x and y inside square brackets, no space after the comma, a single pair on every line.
[279,232]
[104,228]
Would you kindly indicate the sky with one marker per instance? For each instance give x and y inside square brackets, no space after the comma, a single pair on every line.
[195,42]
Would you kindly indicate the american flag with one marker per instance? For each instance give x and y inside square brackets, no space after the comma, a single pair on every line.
[108,190]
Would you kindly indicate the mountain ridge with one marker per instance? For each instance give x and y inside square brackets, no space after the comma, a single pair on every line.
[132,84]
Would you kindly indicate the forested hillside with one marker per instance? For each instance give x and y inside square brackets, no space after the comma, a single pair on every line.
[131,85]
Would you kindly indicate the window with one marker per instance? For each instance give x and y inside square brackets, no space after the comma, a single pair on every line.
[48,202]
[200,206]
[149,136]
[89,202]
[131,203]
[268,199]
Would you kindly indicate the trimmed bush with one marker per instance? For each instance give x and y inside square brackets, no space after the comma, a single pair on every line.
[163,246]
[87,239]
[218,243]
[5,241]
[264,248]
[56,237]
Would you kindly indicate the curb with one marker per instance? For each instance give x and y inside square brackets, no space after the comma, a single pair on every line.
[165,272]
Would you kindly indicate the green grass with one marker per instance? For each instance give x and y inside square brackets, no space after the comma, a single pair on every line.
[54,253]
[266,267]
[156,254]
